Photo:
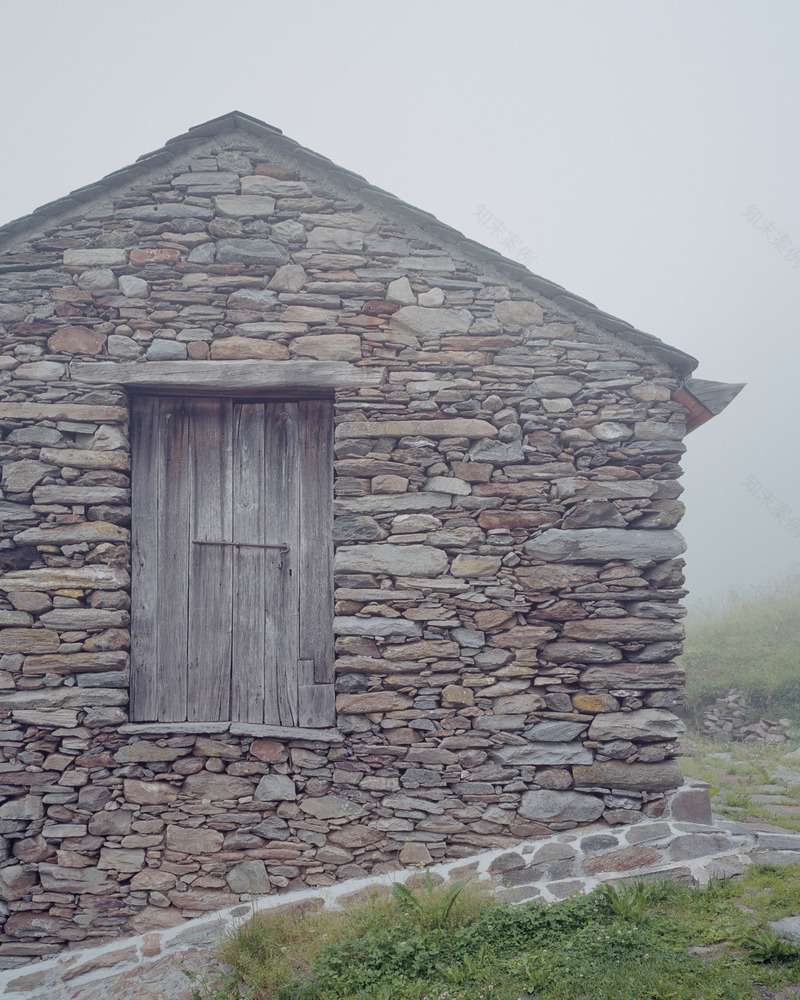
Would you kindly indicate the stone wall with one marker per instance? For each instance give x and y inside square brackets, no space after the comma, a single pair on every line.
[729,718]
[507,576]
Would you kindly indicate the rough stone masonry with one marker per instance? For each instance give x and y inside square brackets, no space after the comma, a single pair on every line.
[507,571]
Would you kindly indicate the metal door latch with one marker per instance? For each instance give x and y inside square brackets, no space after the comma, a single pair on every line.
[281,546]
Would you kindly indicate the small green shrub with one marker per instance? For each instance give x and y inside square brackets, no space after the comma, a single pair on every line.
[432,909]
[764,946]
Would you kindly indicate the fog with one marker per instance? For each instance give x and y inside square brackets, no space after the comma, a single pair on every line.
[642,155]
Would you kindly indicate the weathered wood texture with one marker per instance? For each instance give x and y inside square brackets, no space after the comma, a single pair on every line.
[316,562]
[239,630]
[227,376]
[251,680]
[145,459]
[210,566]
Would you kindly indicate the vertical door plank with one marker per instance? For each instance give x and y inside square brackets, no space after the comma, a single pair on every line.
[316,538]
[210,566]
[282,462]
[145,444]
[252,686]
[173,557]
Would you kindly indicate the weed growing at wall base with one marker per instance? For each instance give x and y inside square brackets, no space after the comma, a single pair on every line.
[649,940]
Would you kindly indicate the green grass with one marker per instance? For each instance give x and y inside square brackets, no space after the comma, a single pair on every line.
[749,643]
[649,940]
[736,770]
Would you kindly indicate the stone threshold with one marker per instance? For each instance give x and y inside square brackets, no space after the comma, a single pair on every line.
[547,869]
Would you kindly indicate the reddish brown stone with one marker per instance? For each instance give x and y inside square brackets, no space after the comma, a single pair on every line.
[27,331]
[204,900]
[268,751]
[523,637]
[26,924]
[355,836]
[273,170]
[401,737]
[525,829]
[377,701]
[105,961]
[379,307]
[76,340]
[487,620]
[473,472]
[67,309]
[70,293]
[32,981]
[655,807]
[624,860]
[247,348]
[556,778]
[198,350]
[16,882]
[31,849]
[155,255]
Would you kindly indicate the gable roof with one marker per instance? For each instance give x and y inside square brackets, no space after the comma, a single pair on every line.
[511,269]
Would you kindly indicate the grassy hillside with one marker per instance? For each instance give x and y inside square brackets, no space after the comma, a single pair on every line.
[750,643]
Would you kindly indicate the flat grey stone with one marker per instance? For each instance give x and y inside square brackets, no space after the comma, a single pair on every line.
[581,652]
[249,876]
[548,806]
[41,436]
[238,206]
[604,544]
[21,476]
[543,753]
[427,323]
[165,212]
[250,251]
[166,350]
[643,724]
[357,527]
[787,927]
[397,560]
[350,625]
[273,828]
[275,788]
[497,452]
[331,807]
[698,845]
[554,731]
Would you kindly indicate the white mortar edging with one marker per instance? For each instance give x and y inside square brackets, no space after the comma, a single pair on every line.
[44,978]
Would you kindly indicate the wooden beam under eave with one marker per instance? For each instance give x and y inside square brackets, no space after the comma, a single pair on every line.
[234,377]
[704,399]
[698,414]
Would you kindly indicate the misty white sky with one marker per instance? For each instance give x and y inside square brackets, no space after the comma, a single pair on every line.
[646,153]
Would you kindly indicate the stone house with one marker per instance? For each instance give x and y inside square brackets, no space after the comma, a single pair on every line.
[332,541]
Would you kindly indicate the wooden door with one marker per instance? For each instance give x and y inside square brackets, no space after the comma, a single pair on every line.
[232,609]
